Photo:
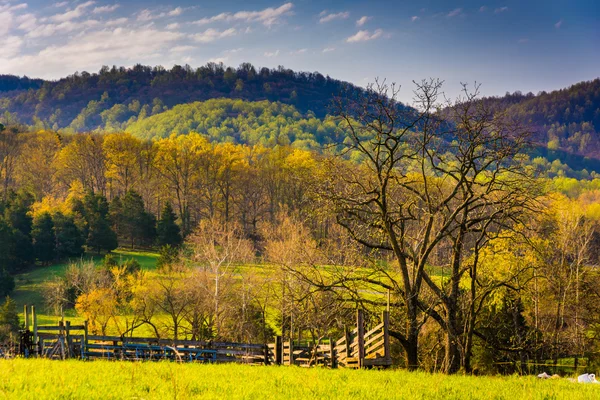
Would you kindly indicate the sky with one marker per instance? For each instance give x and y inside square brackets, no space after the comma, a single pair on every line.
[525,45]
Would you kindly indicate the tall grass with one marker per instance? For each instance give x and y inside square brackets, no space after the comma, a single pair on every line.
[45,379]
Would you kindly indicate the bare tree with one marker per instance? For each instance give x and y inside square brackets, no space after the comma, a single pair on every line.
[428,181]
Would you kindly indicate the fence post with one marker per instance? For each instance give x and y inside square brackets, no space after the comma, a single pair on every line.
[332,353]
[84,345]
[266,354]
[386,335]
[348,343]
[68,339]
[278,350]
[360,327]
[26,316]
[291,359]
[35,331]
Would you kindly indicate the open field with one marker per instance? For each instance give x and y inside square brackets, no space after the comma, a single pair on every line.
[29,284]
[45,379]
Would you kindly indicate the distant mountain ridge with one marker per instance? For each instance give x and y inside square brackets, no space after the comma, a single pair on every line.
[119,96]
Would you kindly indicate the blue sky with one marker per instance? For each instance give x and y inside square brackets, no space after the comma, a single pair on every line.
[505,45]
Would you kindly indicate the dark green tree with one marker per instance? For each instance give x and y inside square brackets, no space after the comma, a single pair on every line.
[9,319]
[137,225]
[69,239]
[100,236]
[44,238]
[167,230]
[7,282]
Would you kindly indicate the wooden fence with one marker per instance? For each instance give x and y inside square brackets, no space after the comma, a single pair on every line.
[356,349]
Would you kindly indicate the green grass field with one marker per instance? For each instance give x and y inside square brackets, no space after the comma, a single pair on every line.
[29,285]
[45,379]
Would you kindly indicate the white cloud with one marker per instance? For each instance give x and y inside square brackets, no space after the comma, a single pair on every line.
[116,22]
[482,8]
[175,12]
[328,50]
[500,10]
[26,22]
[558,24]
[173,26]
[61,4]
[10,46]
[298,52]
[146,15]
[363,36]
[182,49]
[105,9]
[455,12]
[268,17]
[362,20]
[331,17]
[47,30]
[7,17]
[89,52]
[210,35]
[414,18]
[272,54]
[72,14]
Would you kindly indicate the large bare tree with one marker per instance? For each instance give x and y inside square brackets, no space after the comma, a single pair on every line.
[428,186]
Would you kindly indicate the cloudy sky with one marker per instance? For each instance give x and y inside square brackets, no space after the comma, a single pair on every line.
[506,45]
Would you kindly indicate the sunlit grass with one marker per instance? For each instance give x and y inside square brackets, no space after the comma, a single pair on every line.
[45,379]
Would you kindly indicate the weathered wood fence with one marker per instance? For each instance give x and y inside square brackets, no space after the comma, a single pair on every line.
[356,349]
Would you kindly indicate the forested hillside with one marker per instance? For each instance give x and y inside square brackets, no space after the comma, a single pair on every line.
[225,120]
[115,96]
[566,119]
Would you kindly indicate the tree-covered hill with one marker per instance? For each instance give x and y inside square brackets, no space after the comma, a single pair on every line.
[567,119]
[223,120]
[117,96]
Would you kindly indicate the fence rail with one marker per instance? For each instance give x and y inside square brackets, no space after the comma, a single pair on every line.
[356,349]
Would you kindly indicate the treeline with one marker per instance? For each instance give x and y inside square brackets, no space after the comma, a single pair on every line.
[66,103]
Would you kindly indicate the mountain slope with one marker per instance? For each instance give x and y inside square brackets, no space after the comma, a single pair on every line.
[118,96]
[567,119]
[239,121]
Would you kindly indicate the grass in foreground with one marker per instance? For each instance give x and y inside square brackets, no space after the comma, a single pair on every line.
[45,379]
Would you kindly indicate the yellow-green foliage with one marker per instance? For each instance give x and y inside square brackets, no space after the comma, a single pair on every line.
[45,379]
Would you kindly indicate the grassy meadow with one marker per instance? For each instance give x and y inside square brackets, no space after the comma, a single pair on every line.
[29,285]
[45,379]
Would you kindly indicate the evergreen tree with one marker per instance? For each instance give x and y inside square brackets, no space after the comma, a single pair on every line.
[44,238]
[69,239]
[16,215]
[7,282]
[100,236]
[7,247]
[167,230]
[136,224]
[9,319]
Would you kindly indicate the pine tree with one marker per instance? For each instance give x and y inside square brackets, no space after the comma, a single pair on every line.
[167,230]
[69,239]
[9,319]
[44,239]
[136,224]
[100,236]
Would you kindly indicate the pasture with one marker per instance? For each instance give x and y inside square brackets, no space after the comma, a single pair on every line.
[46,379]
